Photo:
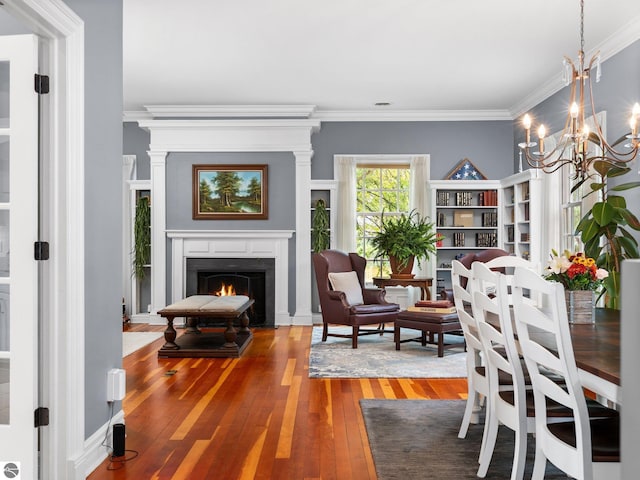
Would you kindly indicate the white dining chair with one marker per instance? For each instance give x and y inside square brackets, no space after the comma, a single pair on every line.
[507,408]
[477,383]
[586,448]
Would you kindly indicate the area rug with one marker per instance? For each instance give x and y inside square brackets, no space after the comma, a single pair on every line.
[132,341]
[377,357]
[418,439]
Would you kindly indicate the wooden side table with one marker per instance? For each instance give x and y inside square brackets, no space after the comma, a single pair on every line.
[423,283]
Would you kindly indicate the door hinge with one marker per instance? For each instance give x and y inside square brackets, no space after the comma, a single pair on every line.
[41,250]
[41,83]
[41,417]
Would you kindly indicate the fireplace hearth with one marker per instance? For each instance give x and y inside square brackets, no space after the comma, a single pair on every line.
[253,277]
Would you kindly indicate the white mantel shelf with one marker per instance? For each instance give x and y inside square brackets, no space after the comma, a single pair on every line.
[233,244]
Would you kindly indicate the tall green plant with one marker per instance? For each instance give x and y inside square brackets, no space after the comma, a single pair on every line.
[320,234]
[405,236]
[142,237]
[603,228]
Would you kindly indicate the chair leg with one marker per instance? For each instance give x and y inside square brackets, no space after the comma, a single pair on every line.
[325,332]
[354,336]
[488,445]
[519,455]
[468,409]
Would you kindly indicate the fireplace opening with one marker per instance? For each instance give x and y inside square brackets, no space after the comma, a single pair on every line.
[253,277]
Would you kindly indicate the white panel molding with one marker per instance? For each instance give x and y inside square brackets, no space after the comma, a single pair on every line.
[233,244]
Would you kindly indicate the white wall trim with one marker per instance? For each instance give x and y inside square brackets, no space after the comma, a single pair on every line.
[233,244]
[386,115]
[94,452]
[64,361]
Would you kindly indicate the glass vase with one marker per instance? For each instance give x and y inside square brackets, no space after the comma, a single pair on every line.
[580,306]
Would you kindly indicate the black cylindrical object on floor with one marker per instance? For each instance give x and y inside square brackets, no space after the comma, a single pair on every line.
[118,439]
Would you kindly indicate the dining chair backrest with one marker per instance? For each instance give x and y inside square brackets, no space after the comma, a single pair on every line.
[507,265]
[502,359]
[530,321]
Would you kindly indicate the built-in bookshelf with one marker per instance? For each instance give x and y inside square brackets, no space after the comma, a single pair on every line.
[521,215]
[467,215]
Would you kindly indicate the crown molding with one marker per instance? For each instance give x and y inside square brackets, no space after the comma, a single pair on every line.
[230,111]
[411,115]
[136,116]
[608,48]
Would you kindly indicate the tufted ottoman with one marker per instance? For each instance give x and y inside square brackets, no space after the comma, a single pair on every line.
[430,324]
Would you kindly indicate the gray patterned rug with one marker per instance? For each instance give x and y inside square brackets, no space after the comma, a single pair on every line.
[377,357]
[418,439]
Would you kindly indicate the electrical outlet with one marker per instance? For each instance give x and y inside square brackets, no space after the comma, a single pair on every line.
[116,384]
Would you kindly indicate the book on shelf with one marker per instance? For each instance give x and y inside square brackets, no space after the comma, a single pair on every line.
[431,309]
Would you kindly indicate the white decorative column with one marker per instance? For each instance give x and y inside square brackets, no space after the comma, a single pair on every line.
[158,235]
[303,239]
[128,174]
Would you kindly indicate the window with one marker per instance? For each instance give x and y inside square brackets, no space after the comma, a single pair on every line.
[571,211]
[379,188]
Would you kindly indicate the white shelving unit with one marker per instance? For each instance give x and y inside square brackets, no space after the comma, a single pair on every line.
[522,213]
[468,214]
[462,215]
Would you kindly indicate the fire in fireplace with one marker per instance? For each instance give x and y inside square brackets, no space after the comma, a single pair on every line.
[236,276]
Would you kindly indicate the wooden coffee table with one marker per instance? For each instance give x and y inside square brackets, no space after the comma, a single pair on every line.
[196,343]
[430,324]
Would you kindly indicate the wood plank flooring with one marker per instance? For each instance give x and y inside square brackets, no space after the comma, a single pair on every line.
[259,416]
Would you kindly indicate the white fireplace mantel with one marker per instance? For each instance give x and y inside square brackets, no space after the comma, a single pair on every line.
[233,244]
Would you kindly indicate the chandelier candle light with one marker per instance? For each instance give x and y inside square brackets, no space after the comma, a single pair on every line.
[573,147]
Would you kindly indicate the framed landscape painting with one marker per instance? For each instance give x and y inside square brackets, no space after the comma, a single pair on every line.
[230,192]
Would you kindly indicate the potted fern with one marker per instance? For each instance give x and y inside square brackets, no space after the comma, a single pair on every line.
[403,239]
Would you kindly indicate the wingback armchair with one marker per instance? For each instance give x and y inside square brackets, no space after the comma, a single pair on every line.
[354,305]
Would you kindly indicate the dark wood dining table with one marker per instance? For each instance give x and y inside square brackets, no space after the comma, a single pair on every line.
[597,352]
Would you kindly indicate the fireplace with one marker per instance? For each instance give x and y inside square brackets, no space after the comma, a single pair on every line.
[253,277]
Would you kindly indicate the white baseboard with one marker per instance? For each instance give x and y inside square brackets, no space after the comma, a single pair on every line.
[94,452]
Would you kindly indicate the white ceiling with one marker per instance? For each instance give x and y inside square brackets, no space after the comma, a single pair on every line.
[483,58]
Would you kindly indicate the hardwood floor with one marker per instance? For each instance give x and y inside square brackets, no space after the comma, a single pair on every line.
[256,417]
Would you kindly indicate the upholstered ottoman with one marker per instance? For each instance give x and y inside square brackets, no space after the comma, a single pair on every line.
[430,324]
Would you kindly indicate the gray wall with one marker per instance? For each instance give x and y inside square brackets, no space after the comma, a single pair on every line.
[136,142]
[11,26]
[487,144]
[103,200]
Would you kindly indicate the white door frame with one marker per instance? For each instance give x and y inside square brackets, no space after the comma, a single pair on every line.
[63,294]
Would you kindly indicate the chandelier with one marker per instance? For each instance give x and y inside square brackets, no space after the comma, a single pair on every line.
[573,146]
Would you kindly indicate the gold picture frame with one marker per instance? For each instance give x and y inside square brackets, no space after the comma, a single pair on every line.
[230,192]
